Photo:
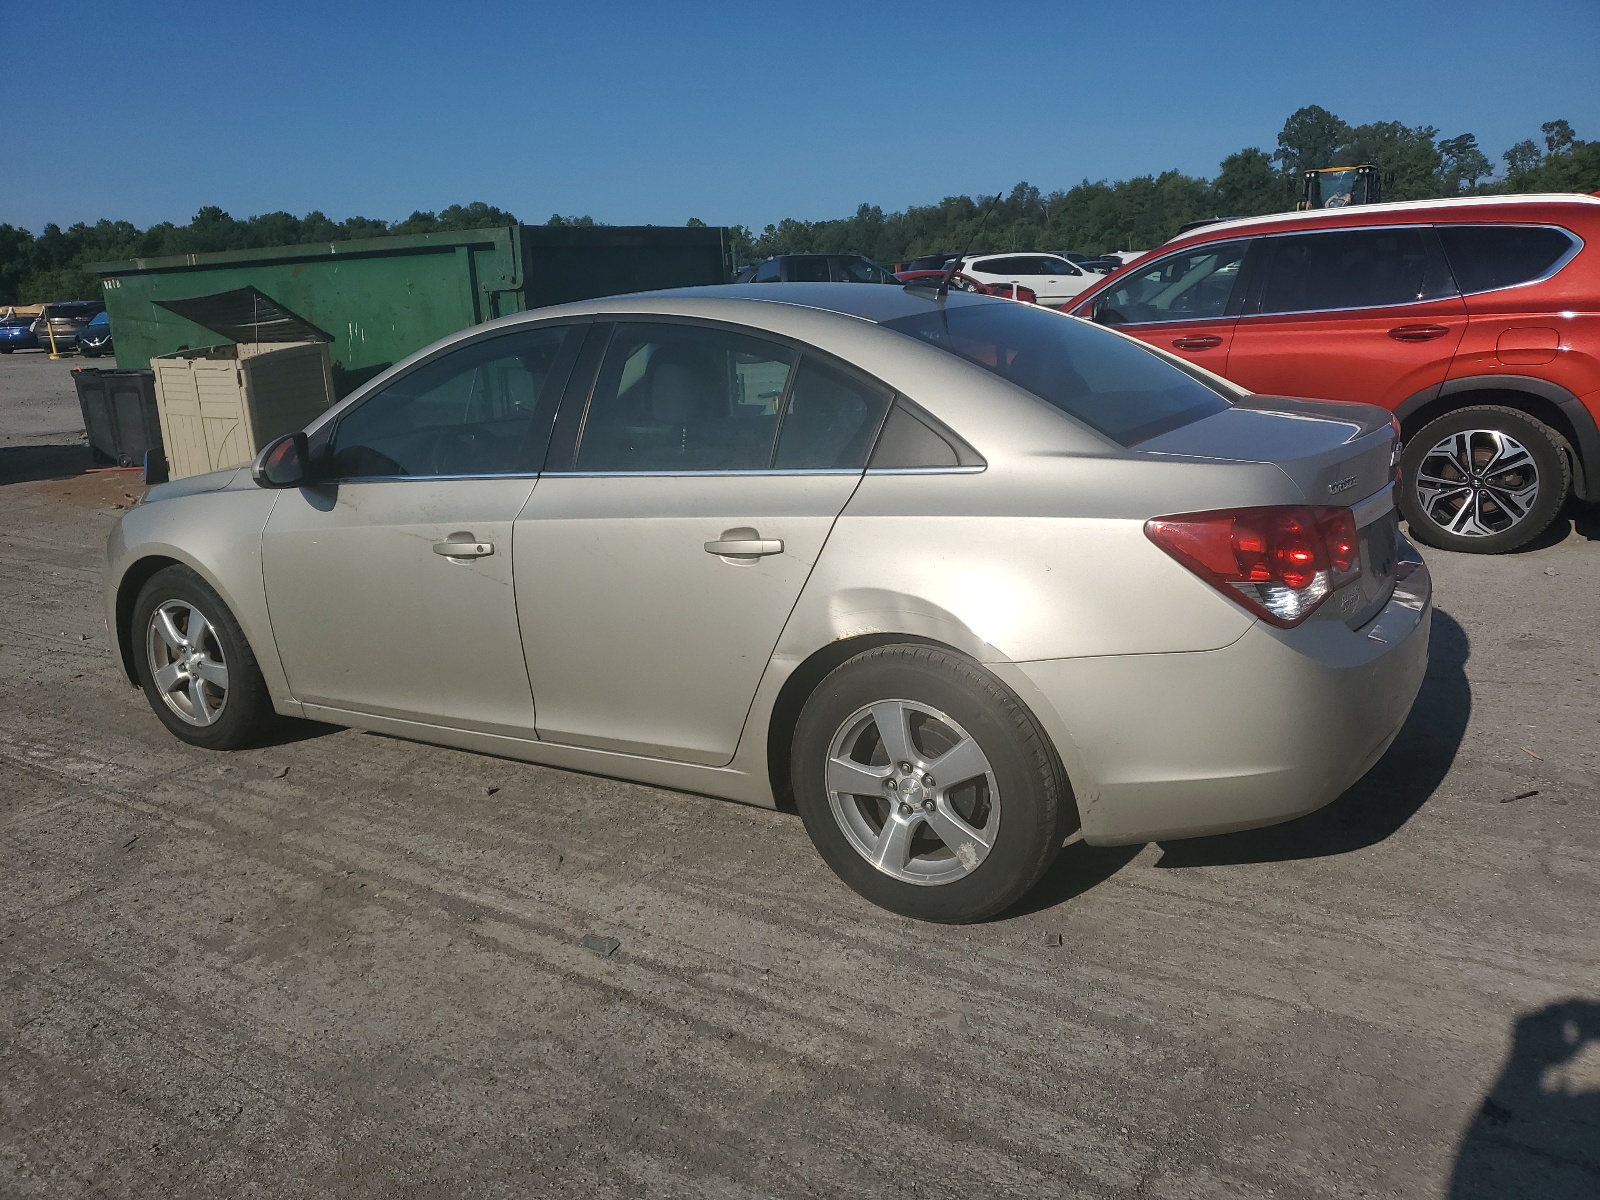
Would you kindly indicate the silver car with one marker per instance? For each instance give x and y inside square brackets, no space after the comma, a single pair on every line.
[953,576]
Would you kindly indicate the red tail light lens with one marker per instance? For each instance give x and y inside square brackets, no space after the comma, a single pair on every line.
[1280,563]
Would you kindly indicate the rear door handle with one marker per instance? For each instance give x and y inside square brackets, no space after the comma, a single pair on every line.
[464,549]
[1203,341]
[1417,333]
[748,547]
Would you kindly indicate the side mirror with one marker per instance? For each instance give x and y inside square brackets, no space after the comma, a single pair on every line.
[284,463]
[1097,313]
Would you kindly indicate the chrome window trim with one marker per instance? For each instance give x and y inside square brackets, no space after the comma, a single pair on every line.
[423,478]
[972,470]
[757,473]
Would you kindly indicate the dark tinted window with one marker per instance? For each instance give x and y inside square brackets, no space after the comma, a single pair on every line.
[1187,286]
[768,272]
[684,398]
[850,268]
[1016,265]
[1497,256]
[806,268]
[911,439]
[1104,380]
[1355,268]
[476,410]
[831,420]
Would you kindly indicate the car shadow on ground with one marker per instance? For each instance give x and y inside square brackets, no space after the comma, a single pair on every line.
[1577,517]
[30,464]
[1536,1136]
[1382,801]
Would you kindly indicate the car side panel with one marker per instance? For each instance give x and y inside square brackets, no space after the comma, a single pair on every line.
[218,535]
[1353,355]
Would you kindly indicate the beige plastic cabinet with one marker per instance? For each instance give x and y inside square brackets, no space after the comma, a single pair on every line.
[220,405]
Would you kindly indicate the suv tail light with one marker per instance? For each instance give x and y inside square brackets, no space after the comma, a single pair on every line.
[1279,562]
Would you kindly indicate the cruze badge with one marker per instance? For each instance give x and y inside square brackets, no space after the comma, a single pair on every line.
[1339,485]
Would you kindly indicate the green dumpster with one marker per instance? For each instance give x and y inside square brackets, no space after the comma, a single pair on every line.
[382,299]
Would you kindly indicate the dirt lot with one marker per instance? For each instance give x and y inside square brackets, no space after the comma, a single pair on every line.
[345,965]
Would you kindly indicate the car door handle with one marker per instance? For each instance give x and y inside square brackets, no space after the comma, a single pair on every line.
[1201,341]
[1417,333]
[464,549]
[751,547]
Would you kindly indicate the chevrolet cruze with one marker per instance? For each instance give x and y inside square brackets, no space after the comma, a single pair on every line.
[954,576]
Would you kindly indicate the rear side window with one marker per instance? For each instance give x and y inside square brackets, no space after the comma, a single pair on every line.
[831,420]
[1355,268]
[807,268]
[1108,382]
[1485,257]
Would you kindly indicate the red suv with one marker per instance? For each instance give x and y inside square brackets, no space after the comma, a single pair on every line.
[1476,321]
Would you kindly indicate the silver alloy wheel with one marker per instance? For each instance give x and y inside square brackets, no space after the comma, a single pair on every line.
[1477,483]
[186,662]
[913,792]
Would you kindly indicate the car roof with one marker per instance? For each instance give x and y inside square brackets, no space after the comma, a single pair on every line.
[1454,207]
[875,302]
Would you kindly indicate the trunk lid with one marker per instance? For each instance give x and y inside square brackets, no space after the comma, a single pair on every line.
[1336,453]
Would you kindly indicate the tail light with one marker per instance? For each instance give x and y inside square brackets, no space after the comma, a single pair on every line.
[1280,562]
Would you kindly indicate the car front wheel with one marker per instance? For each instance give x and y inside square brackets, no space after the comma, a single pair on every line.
[197,671]
[927,786]
[1483,480]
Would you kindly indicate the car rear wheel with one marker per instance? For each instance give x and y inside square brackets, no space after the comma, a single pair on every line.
[1483,480]
[197,671]
[927,786]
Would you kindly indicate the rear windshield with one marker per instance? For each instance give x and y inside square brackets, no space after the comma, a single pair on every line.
[1106,381]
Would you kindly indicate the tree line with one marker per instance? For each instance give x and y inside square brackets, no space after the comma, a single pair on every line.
[1092,217]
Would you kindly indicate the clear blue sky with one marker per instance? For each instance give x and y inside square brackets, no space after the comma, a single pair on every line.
[655,112]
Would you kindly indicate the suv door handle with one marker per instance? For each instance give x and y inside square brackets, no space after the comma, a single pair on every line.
[1199,341]
[1417,333]
[464,549]
[744,547]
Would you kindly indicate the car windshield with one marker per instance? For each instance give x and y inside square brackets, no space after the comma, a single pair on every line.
[1108,382]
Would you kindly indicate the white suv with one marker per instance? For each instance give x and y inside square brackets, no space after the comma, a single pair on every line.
[1053,279]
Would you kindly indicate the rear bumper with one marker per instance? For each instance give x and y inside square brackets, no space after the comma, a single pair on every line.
[1267,729]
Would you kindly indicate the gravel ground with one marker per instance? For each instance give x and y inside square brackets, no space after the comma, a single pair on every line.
[350,965]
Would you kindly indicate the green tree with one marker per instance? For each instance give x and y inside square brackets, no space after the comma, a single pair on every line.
[1406,155]
[1558,136]
[1248,186]
[1522,158]
[1310,139]
[1464,162]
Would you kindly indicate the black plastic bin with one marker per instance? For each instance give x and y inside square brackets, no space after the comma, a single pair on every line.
[119,414]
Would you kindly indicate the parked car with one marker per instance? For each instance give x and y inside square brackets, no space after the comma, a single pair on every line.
[1475,321]
[955,575]
[59,324]
[966,283]
[1053,279]
[929,262]
[94,339]
[16,333]
[1089,262]
[818,268]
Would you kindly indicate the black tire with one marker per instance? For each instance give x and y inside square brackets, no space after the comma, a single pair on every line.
[1034,802]
[1498,523]
[6,349]
[246,715]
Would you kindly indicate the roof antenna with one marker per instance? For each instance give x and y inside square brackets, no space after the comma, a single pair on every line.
[943,289]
